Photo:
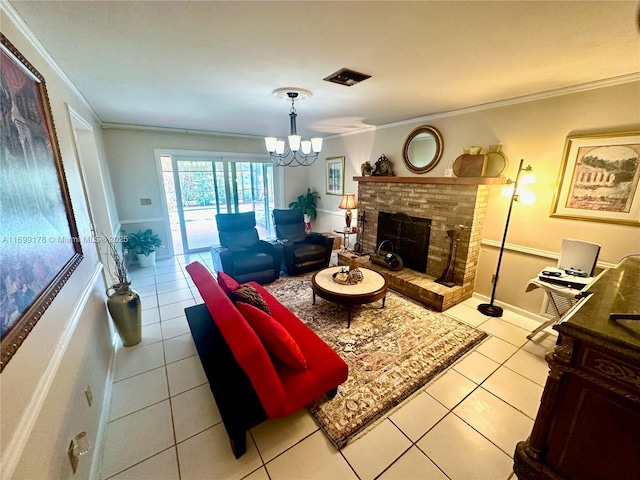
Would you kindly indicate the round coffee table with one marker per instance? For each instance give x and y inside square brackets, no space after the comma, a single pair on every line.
[372,288]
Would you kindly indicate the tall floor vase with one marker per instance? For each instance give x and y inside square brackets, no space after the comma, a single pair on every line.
[126,311]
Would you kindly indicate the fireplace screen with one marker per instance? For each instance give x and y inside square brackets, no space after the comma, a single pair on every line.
[407,236]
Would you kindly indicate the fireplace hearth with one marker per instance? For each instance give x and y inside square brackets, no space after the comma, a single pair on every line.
[445,203]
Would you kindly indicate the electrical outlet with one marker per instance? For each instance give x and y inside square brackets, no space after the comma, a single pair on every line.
[79,446]
[89,394]
[145,201]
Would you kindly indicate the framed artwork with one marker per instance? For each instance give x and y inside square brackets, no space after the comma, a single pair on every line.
[335,175]
[39,244]
[598,178]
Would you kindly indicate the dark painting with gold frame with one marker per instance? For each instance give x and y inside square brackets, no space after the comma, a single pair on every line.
[39,245]
[598,178]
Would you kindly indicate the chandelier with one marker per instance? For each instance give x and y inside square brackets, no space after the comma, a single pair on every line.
[297,152]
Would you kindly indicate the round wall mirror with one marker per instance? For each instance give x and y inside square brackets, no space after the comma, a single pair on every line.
[422,149]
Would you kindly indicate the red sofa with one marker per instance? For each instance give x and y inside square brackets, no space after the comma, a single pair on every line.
[248,383]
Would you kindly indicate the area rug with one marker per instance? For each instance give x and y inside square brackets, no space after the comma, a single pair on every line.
[391,352]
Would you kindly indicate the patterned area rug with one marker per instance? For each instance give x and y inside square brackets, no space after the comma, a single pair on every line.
[391,352]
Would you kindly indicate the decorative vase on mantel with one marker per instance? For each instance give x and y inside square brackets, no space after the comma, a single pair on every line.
[126,311]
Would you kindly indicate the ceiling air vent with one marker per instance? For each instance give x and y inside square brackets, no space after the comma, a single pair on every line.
[347,77]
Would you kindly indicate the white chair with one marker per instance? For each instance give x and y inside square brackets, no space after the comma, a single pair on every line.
[579,255]
[574,254]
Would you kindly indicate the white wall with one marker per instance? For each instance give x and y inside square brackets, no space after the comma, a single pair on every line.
[535,131]
[132,163]
[42,388]
[42,394]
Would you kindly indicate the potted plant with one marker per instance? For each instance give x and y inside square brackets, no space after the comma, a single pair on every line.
[307,203]
[144,244]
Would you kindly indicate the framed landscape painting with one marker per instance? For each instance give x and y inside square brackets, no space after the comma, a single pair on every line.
[335,175]
[598,178]
[39,244]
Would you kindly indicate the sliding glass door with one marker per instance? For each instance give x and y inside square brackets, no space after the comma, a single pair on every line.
[198,188]
[252,189]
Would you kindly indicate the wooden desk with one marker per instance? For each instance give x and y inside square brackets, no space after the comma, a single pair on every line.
[588,424]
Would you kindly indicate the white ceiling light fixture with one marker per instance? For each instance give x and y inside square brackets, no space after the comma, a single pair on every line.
[297,152]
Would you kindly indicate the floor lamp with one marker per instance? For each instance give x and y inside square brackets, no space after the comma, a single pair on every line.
[526,197]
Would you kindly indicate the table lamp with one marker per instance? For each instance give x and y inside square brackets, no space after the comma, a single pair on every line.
[348,202]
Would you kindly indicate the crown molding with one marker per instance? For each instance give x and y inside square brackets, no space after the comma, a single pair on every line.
[149,128]
[607,82]
[24,29]
[584,87]
[6,8]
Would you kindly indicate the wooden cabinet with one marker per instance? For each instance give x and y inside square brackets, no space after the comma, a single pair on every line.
[588,424]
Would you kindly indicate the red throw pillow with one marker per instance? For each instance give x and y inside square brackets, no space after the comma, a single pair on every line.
[275,338]
[227,283]
[247,294]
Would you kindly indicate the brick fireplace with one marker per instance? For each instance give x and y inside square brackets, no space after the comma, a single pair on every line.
[447,202]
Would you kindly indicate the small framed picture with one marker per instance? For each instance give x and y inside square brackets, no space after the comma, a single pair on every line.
[598,179]
[335,175]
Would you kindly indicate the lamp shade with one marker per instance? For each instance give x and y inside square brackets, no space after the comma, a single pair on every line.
[528,177]
[316,144]
[348,201]
[270,143]
[528,197]
[294,142]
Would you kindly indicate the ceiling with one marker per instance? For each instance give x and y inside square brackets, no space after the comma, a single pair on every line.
[212,66]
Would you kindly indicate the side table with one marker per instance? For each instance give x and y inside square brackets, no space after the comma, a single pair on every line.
[345,241]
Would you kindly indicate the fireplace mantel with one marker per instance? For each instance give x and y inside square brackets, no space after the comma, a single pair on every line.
[434,180]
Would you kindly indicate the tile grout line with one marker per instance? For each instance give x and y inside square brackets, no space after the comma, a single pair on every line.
[413,444]
[264,464]
[451,410]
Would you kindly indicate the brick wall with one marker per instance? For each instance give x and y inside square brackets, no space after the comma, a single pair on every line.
[447,205]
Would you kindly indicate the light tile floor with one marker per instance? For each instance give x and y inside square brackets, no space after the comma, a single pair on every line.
[164,423]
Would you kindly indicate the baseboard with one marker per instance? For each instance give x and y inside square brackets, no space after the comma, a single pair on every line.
[511,308]
[96,461]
